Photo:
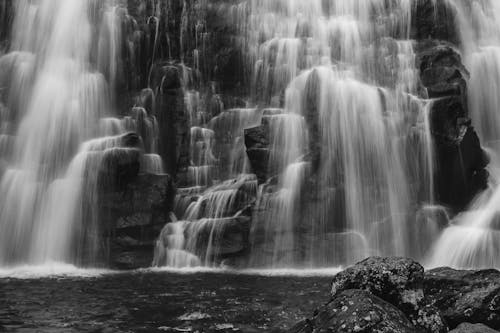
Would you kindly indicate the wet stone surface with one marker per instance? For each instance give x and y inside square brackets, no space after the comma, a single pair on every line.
[159,302]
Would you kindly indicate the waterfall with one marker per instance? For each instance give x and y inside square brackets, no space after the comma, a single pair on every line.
[59,136]
[473,239]
[351,153]
[348,72]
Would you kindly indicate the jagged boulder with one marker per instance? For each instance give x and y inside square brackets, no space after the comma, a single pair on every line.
[398,281]
[465,296]
[356,311]
[473,328]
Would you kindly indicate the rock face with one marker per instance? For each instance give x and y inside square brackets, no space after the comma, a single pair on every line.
[434,19]
[473,328]
[173,123]
[465,296]
[461,161]
[398,281]
[134,218]
[356,311]
[434,301]
[257,142]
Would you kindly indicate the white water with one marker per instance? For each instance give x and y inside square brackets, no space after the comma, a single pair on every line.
[336,82]
[351,64]
[357,76]
[61,73]
[473,239]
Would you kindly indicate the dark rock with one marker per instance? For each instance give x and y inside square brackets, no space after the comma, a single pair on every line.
[434,19]
[442,71]
[460,160]
[118,168]
[312,119]
[461,171]
[6,18]
[258,149]
[356,311]
[398,281]
[134,217]
[173,122]
[473,328]
[465,296]
[449,122]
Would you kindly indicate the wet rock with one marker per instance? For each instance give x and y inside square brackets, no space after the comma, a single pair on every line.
[118,168]
[398,281]
[434,19]
[460,159]
[6,18]
[461,171]
[258,149]
[356,311]
[473,328]
[465,296]
[442,71]
[449,121]
[134,217]
[173,122]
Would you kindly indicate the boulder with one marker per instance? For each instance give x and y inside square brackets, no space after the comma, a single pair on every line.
[473,328]
[465,296]
[356,311]
[398,281]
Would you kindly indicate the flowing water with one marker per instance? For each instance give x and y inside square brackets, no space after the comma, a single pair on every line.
[60,75]
[473,239]
[350,167]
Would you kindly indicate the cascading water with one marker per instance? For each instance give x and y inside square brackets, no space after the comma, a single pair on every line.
[61,73]
[336,84]
[343,126]
[350,76]
[473,239]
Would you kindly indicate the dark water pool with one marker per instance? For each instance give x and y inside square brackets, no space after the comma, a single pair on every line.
[159,302]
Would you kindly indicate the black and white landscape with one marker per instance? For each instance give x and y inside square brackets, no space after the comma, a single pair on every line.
[250,166]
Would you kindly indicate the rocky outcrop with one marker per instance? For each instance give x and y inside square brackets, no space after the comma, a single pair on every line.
[356,311]
[134,217]
[460,159]
[465,296]
[398,281]
[172,117]
[434,301]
